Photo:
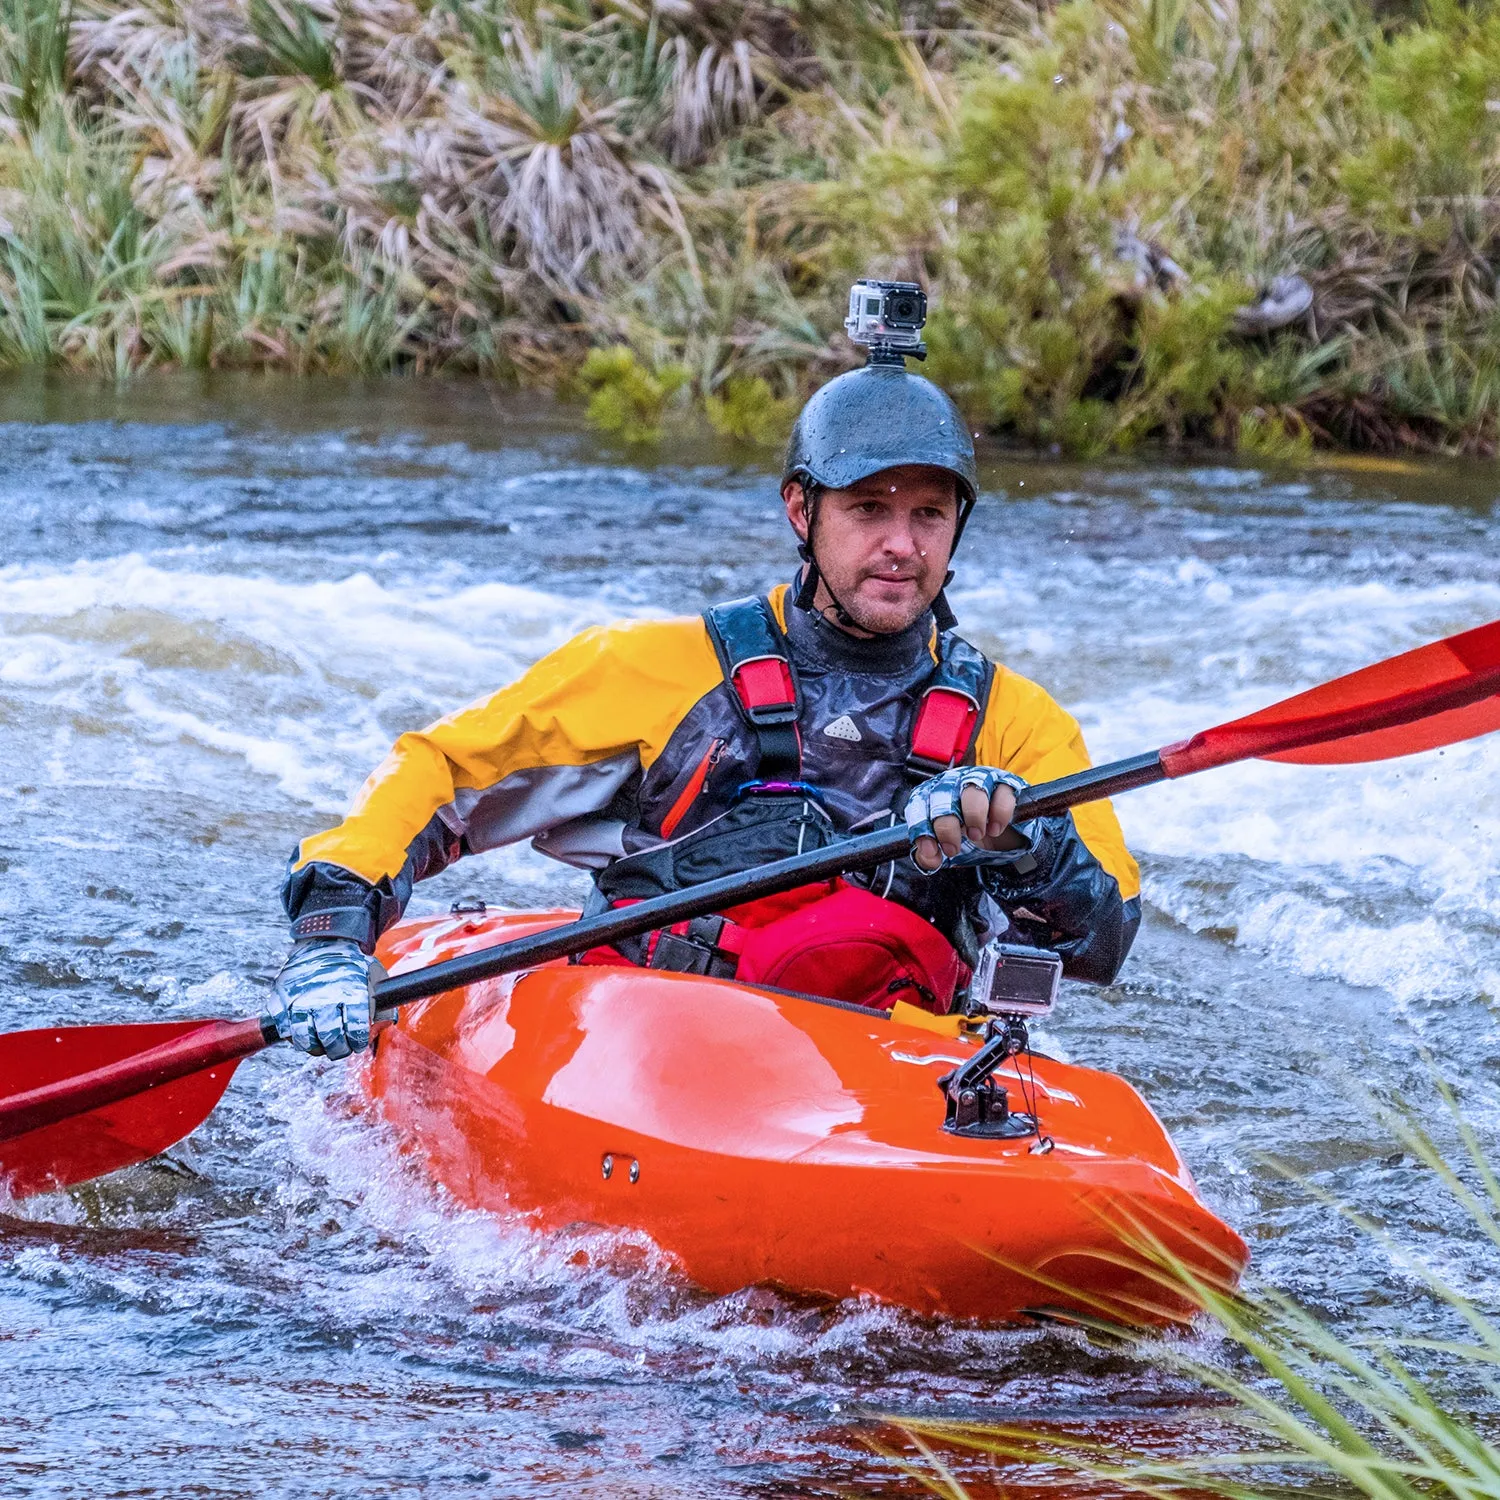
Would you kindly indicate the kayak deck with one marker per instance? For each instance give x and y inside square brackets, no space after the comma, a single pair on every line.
[763,1137]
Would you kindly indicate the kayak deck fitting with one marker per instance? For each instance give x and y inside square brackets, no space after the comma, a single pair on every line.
[764,1137]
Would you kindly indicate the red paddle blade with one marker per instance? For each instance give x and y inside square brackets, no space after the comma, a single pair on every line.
[41,1070]
[1436,695]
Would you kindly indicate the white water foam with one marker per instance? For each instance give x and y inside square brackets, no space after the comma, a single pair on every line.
[294,680]
[1422,832]
[394,1252]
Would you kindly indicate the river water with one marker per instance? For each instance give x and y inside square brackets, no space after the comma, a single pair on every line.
[220,600]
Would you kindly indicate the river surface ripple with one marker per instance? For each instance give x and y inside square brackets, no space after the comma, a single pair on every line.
[219,603]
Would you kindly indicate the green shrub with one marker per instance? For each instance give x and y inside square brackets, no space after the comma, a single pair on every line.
[626,400]
[1280,436]
[1090,190]
[1433,129]
[748,410]
[33,55]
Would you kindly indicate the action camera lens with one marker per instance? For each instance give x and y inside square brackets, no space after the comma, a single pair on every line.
[903,309]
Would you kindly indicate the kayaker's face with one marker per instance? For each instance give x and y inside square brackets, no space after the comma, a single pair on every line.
[882,544]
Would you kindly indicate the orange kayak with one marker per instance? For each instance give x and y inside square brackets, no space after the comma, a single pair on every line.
[759,1136]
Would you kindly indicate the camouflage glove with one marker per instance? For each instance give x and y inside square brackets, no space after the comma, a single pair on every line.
[325,994]
[962,818]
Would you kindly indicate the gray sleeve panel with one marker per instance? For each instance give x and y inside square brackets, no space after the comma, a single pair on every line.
[529,802]
[585,843]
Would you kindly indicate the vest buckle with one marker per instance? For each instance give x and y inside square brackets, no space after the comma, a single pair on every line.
[766,689]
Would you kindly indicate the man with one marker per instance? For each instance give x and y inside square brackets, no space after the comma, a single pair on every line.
[664,753]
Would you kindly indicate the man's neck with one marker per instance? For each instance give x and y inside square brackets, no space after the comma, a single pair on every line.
[816,634]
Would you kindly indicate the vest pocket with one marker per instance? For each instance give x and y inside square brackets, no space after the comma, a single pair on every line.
[695,783]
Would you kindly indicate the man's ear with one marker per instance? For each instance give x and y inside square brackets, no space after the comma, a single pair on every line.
[795,499]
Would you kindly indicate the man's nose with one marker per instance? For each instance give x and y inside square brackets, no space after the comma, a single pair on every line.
[899,542]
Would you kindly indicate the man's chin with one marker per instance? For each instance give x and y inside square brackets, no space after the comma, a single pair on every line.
[886,616]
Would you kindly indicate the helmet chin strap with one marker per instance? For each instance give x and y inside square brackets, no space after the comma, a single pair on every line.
[807,594]
[942,611]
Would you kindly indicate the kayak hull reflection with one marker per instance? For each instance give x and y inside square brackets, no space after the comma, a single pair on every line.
[761,1137]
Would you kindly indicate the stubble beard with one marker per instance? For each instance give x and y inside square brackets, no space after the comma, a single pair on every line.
[876,619]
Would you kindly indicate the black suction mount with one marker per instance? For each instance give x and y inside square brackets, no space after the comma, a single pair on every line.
[976,1104]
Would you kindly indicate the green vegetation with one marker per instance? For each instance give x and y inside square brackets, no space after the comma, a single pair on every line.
[1099,194]
[1304,1412]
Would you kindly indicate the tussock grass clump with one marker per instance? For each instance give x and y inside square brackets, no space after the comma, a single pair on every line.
[1118,204]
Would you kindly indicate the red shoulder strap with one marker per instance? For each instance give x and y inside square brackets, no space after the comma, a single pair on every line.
[752,652]
[948,717]
[764,684]
[945,724]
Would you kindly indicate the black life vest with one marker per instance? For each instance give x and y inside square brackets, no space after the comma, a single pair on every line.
[781,816]
[827,939]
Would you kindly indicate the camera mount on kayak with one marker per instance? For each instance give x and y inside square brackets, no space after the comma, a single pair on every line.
[1011,982]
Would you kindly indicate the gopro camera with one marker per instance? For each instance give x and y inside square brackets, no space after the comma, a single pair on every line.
[887,318]
[1011,979]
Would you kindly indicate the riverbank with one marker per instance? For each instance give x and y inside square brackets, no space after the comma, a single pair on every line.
[1265,227]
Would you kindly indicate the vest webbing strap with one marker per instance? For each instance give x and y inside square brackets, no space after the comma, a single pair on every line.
[768,694]
[752,653]
[945,725]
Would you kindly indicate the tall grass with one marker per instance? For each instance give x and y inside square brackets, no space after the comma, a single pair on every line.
[1305,1410]
[1093,190]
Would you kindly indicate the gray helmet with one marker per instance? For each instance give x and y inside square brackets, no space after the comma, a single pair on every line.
[873,419]
[877,418]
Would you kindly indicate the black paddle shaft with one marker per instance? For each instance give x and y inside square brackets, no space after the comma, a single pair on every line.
[867,852]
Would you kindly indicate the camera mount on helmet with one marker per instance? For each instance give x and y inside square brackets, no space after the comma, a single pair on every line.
[887,318]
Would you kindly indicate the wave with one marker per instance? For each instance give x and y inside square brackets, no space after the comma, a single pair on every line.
[298,681]
[305,684]
[1197,632]
[1408,850]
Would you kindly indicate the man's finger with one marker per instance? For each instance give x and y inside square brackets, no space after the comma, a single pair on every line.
[1002,810]
[976,808]
[328,1027]
[927,854]
[949,834]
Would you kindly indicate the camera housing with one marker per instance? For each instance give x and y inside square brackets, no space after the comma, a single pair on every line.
[1012,979]
[887,318]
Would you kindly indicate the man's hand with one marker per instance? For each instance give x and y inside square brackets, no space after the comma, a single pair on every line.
[326,998]
[962,815]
